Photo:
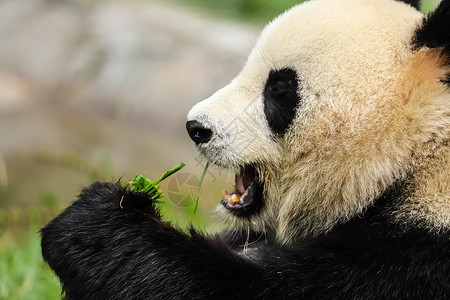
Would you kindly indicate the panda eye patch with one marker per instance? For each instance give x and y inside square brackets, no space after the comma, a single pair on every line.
[281,99]
[281,86]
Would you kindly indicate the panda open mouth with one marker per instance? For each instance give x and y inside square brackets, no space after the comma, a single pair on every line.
[246,198]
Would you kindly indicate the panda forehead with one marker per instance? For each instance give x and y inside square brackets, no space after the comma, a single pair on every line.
[361,37]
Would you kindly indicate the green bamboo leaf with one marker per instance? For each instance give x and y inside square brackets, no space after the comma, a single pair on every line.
[145,185]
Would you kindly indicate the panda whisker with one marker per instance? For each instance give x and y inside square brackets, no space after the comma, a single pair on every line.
[266,59]
[247,239]
[258,239]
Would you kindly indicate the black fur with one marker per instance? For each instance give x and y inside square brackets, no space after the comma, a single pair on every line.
[281,99]
[413,3]
[434,32]
[101,251]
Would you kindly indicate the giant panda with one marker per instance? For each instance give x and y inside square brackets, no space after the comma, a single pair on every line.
[337,129]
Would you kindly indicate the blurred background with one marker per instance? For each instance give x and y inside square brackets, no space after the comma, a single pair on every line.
[99,90]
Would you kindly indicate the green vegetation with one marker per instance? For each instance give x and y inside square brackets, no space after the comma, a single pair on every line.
[145,185]
[200,187]
[259,11]
[23,274]
[429,5]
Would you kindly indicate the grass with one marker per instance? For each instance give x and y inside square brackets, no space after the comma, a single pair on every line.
[23,274]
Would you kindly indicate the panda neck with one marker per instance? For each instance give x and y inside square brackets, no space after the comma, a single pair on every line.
[428,203]
[419,199]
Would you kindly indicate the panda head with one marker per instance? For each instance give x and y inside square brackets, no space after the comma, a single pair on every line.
[337,101]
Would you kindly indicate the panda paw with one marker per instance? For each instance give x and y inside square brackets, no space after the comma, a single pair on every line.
[107,196]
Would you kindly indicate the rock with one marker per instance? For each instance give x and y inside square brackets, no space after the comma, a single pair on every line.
[109,77]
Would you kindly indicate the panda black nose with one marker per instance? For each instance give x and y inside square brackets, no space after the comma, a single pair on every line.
[198,133]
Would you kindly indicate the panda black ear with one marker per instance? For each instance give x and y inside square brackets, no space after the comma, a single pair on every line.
[434,32]
[413,3]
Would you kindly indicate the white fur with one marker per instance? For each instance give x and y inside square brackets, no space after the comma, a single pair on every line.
[351,137]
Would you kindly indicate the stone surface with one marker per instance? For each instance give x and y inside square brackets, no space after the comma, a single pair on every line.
[108,81]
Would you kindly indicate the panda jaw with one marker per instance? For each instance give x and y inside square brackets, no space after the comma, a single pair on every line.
[249,191]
